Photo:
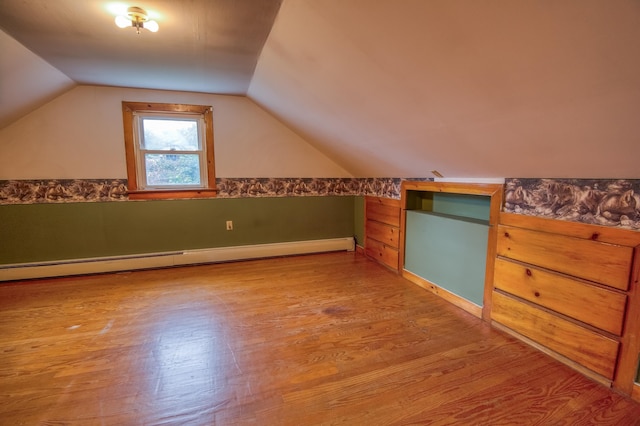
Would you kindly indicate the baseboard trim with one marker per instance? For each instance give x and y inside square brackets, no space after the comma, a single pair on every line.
[460,302]
[25,271]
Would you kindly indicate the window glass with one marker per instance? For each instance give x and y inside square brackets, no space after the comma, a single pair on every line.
[172,169]
[170,134]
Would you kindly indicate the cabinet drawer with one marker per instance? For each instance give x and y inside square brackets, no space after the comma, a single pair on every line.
[383,213]
[383,233]
[608,264]
[382,253]
[596,306]
[586,347]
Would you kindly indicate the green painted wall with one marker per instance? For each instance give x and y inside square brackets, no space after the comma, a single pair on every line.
[474,206]
[358,220]
[44,232]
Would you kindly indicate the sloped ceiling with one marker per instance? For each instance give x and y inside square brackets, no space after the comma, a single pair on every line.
[527,88]
[473,89]
[26,81]
[209,46]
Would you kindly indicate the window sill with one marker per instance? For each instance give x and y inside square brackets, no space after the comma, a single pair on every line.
[168,194]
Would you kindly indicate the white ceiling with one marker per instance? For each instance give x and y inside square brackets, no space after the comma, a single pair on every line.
[209,46]
[473,89]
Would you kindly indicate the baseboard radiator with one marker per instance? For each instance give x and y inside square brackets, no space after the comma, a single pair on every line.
[24,271]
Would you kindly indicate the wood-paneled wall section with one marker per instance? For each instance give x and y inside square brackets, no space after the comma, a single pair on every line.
[382,230]
[571,289]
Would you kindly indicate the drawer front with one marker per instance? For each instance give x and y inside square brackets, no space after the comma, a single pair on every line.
[383,213]
[596,306]
[586,347]
[382,232]
[382,253]
[608,264]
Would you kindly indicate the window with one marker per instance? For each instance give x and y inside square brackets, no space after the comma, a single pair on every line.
[169,149]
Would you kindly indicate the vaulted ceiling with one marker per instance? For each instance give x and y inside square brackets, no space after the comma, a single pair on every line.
[473,89]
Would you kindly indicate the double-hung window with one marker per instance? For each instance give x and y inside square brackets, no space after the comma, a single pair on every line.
[169,150]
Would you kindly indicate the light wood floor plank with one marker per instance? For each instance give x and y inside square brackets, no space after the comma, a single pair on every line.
[321,339]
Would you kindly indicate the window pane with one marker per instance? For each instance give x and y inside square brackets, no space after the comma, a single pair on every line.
[172,169]
[168,135]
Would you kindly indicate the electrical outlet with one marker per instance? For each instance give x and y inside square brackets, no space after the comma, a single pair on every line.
[229,225]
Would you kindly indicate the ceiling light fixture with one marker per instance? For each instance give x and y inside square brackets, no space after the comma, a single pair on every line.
[137,18]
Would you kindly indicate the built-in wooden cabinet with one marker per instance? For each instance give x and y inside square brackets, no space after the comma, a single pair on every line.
[382,230]
[569,289]
[574,297]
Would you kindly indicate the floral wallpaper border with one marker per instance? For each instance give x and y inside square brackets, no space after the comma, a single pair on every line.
[608,202]
[101,190]
[62,191]
[300,187]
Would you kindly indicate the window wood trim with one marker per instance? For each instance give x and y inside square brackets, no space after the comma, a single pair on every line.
[128,110]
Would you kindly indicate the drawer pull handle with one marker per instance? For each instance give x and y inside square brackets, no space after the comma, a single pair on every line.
[595,236]
[537,294]
[529,272]
[506,234]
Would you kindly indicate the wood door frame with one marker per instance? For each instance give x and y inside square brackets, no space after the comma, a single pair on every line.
[494,191]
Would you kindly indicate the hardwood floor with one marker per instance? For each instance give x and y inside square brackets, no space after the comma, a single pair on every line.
[321,339]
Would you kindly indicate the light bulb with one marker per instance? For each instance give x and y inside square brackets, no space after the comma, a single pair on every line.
[152,26]
[122,22]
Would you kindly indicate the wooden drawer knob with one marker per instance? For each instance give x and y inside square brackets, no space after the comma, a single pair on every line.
[536,294]
[529,273]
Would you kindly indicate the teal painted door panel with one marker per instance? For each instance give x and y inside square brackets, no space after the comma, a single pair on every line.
[449,252]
